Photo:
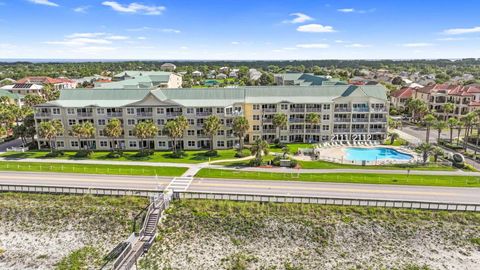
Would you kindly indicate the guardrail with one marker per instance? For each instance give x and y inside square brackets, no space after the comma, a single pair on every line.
[329,201]
[78,190]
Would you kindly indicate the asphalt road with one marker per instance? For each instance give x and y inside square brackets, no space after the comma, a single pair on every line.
[357,191]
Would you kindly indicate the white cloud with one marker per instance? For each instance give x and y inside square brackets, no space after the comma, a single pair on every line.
[460,31]
[357,45]
[417,45]
[299,18]
[341,41]
[184,48]
[315,28]
[81,9]
[88,39]
[140,29]
[44,2]
[313,46]
[346,10]
[141,38]
[170,30]
[135,8]
[117,37]
[94,50]
[85,35]
[450,39]
[235,43]
[147,28]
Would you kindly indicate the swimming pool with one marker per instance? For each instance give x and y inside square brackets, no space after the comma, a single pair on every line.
[372,154]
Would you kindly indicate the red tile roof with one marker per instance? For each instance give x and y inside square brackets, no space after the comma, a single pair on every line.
[405,92]
[451,89]
[44,80]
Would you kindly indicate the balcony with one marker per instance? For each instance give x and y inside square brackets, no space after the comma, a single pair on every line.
[296,131]
[341,130]
[114,114]
[296,120]
[360,130]
[312,131]
[267,120]
[360,109]
[203,136]
[342,120]
[269,131]
[173,114]
[379,120]
[297,109]
[203,113]
[84,114]
[342,109]
[43,114]
[144,114]
[269,110]
[360,120]
[378,130]
[378,109]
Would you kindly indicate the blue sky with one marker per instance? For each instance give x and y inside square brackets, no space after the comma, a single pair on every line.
[239,29]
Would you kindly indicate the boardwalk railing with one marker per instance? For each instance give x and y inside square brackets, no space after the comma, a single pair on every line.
[330,201]
[79,190]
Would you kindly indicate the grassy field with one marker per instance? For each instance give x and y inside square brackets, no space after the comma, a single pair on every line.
[60,232]
[320,164]
[202,234]
[91,168]
[393,179]
[191,156]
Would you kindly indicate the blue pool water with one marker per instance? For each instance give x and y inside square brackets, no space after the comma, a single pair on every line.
[372,154]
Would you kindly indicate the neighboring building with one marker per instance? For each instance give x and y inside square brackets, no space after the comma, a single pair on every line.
[12,97]
[221,76]
[399,98]
[57,83]
[233,74]
[347,113]
[210,83]
[168,67]
[224,69]
[197,73]
[142,80]
[305,79]
[92,79]
[24,89]
[254,75]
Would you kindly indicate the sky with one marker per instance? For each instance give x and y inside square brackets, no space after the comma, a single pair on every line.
[239,29]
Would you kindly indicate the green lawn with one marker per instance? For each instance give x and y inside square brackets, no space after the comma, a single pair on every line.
[197,156]
[293,147]
[320,164]
[91,168]
[394,179]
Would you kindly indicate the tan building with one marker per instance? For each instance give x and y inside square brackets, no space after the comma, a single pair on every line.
[347,113]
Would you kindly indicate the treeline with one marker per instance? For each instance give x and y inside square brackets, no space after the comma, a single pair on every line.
[338,68]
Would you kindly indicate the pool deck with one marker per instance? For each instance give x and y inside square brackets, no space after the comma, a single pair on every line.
[338,154]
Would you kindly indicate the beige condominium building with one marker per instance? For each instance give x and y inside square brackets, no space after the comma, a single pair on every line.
[346,112]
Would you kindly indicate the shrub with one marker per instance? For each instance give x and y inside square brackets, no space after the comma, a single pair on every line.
[211,153]
[115,154]
[242,153]
[83,154]
[256,162]
[55,153]
[145,153]
[179,154]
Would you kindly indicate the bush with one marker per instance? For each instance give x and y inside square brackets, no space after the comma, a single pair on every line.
[83,154]
[256,162]
[179,154]
[145,153]
[242,153]
[55,153]
[115,154]
[211,153]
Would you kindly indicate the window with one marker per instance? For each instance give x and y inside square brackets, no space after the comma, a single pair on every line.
[325,127]
[256,107]
[191,132]
[221,132]
[103,144]
[160,110]
[284,106]
[60,144]
[191,143]
[101,132]
[131,122]
[130,111]
[56,111]
[220,110]
[162,144]
[70,111]
[256,137]
[190,110]
[256,117]
[72,122]
[256,127]
[283,138]
[238,109]
[326,106]
[100,111]
[130,133]
[160,122]
[326,117]
[74,143]
[191,122]
[220,144]
[101,122]
[132,144]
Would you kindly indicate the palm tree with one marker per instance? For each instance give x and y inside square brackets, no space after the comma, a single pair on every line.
[279,121]
[416,106]
[436,152]
[425,148]
[259,149]
[459,130]
[439,126]
[448,108]
[182,123]
[175,130]
[145,130]
[240,126]
[452,123]
[393,137]
[47,131]
[468,121]
[211,126]
[114,130]
[429,120]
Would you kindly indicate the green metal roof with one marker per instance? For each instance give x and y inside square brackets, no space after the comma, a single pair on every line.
[309,79]
[10,95]
[217,97]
